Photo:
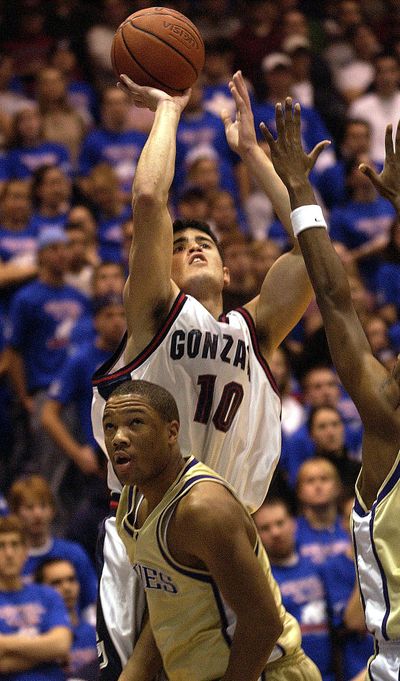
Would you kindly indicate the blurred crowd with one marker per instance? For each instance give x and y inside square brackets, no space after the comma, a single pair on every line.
[69,143]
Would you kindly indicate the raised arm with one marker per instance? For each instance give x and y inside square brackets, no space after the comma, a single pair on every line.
[363,376]
[149,290]
[286,291]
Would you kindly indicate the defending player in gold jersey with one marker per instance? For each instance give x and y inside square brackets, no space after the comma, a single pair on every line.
[215,611]
[374,390]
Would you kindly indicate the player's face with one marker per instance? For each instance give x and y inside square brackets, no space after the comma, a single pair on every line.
[318,486]
[277,531]
[36,517]
[12,555]
[196,263]
[328,430]
[62,577]
[137,439]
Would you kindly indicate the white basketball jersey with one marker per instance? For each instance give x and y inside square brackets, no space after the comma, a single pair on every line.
[228,403]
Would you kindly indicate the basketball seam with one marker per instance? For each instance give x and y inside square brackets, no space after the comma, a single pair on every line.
[145,70]
[142,30]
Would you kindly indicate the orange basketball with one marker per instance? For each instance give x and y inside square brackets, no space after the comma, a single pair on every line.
[158,47]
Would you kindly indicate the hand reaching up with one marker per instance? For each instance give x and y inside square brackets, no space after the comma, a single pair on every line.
[149,97]
[387,182]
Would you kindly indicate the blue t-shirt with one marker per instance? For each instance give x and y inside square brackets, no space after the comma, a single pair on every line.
[319,544]
[17,243]
[303,595]
[84,650]
[22,163]
[119,149]
[33,610]
[355,223]
[109,235]
[204,130]
[76,554]
[40,222]
[74,384]
[299,447]
[388,284]
[339,577]
[41,320]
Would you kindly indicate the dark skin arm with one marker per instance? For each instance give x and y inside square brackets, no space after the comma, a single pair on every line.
[375,392]
[210,530]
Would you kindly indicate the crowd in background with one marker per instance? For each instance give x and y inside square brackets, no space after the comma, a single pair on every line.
[69,144]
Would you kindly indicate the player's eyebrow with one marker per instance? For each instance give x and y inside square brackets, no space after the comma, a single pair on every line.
[198,239]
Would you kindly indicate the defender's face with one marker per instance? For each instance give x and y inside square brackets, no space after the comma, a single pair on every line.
[196,259]
[137,439]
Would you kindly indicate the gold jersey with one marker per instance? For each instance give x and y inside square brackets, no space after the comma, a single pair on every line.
[192,625]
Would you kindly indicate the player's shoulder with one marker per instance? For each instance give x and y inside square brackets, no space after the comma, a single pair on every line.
[208,504]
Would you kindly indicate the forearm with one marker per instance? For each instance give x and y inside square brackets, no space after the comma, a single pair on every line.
[353,616]
[56,428]
[12,273]
[156,165]
[145,661]
[12,663]
[48,647]
[251,647]
[17,373]
[263,171]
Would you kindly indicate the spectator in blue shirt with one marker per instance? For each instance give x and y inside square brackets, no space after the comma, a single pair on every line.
[299,580]
[73,385]
[278,76]
[110,210]
[18,239]
[200,129]
[320,533]
[43,314]
[362,223]
[61,575]
[388,277]
[35,632]
[320,388]
[51,194]
[345,608]
[32,500]
[112,142]
[331,183]
[27,150]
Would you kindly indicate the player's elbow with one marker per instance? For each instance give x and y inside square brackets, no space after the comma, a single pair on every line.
[148,198]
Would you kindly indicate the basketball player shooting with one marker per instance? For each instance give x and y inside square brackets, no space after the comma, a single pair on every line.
[215,366]
[374,390]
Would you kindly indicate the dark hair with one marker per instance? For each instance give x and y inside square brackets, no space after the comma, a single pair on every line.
[277,501]
[181,225]
[159,398]
[315,410]
[39,572]
[38,177]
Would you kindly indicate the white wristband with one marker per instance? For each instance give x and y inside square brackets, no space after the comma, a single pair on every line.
[306,217]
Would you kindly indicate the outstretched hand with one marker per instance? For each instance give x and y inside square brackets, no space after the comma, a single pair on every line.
[291,162]
[145,97]
[240,133]
[387,182]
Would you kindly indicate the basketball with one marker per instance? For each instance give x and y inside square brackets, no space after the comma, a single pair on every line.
[158,47]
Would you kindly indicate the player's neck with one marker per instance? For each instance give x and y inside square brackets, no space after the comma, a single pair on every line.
[154,489]
[321,517]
